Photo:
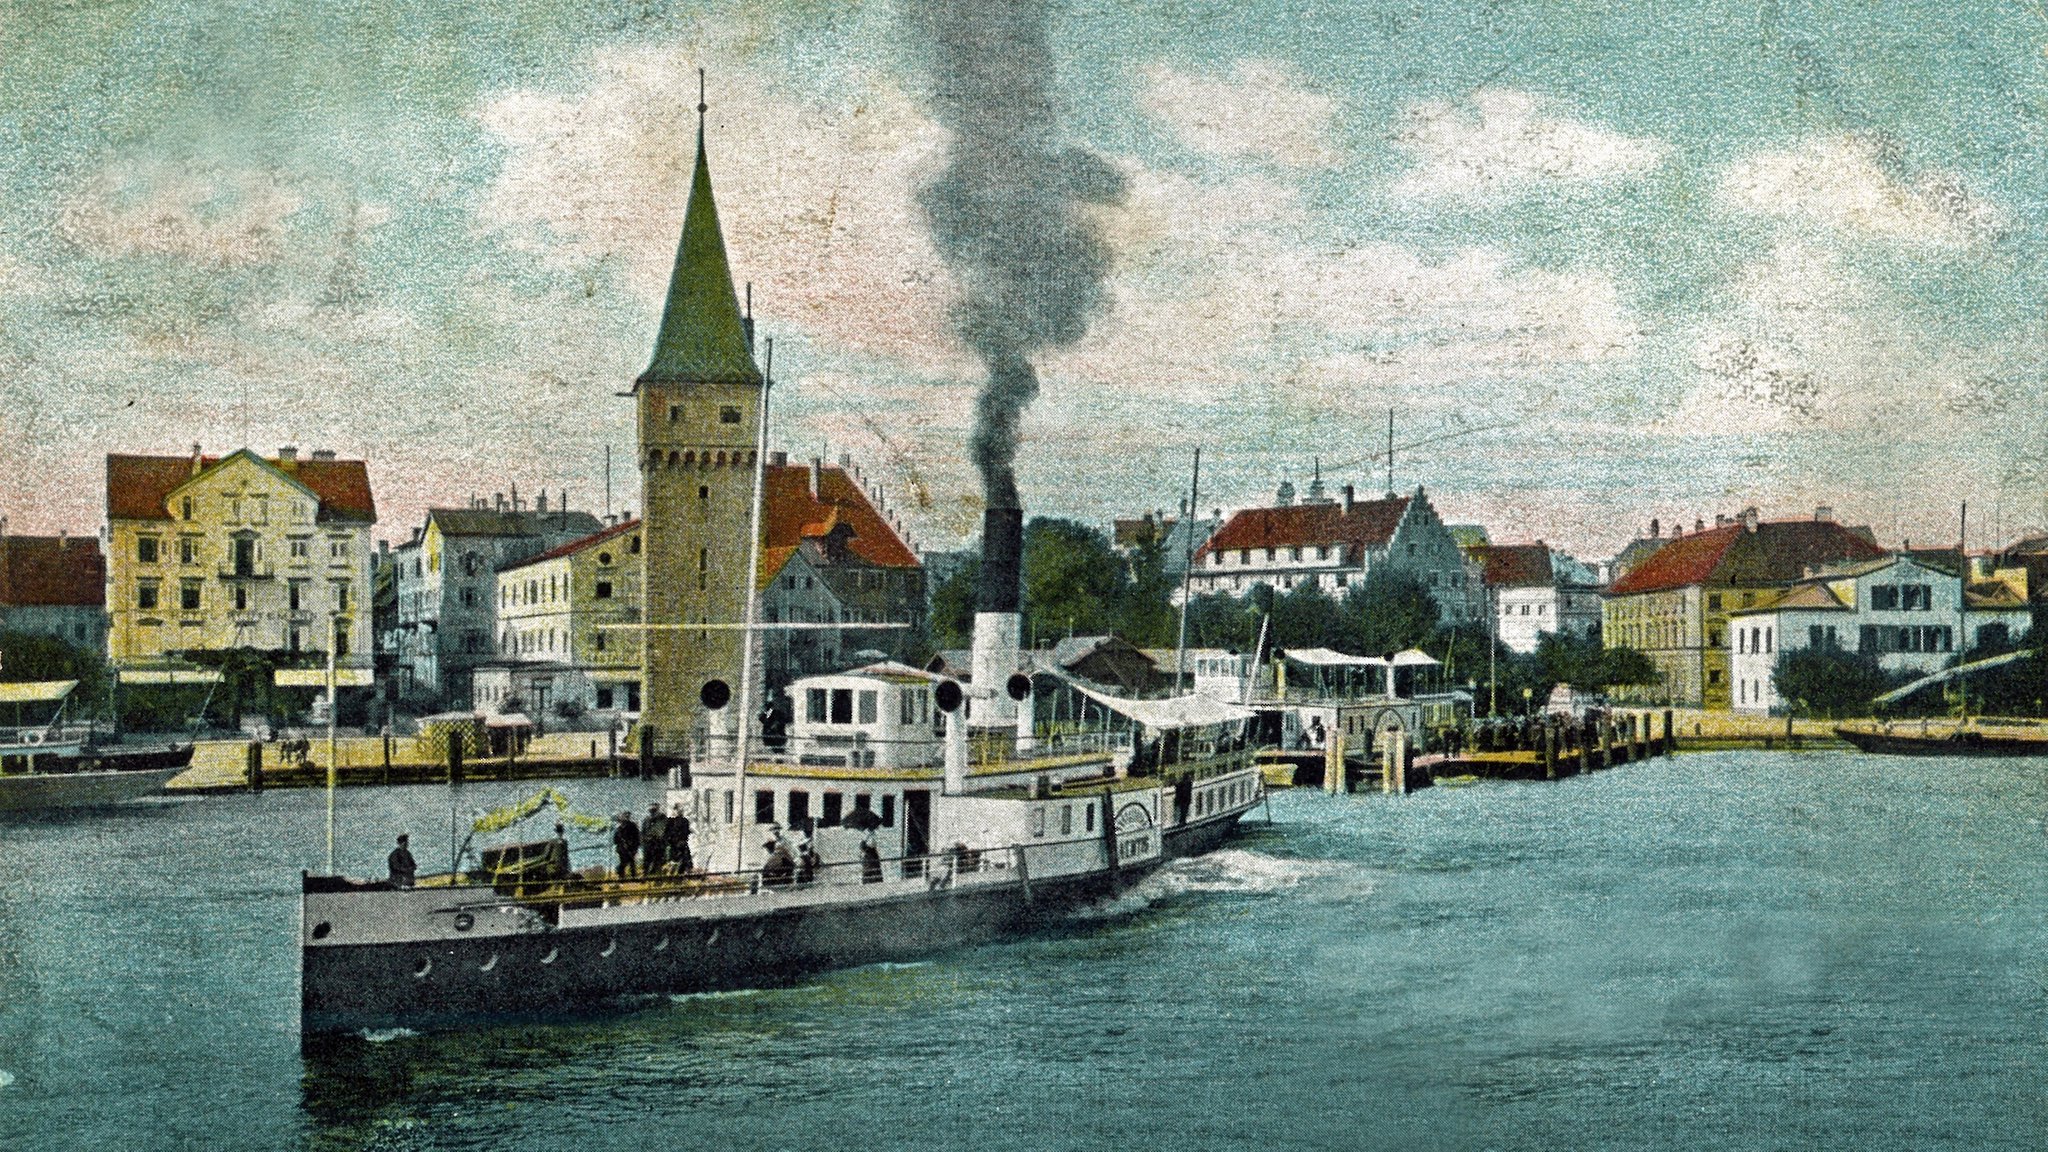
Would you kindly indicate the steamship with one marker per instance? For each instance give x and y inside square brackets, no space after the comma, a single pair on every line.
[935,813]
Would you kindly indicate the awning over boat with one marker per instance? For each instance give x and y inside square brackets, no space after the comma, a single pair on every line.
[1415,658]
[36,691]
[1173,712]
[1330,658]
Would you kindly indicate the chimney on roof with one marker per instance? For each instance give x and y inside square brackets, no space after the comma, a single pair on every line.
[817,477]
[1285,496]
[1823,512]
[540,502]
[1699,525]
[1720,521]
[323,453]
[1350,498]
[498,501]
[1655,534]
[288,453]
[846,461]
[1749,518]
[515,496]
[195,459]
[778,459]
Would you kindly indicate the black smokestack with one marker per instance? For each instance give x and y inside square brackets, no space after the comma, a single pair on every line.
[1002,555]
[1009,211]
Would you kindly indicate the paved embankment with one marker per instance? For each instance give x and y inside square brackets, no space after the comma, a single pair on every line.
[219,765]
[1702,731]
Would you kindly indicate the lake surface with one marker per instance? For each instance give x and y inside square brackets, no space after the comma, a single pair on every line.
[1740,950]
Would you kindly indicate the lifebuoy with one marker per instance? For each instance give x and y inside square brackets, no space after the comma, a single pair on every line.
[31,737]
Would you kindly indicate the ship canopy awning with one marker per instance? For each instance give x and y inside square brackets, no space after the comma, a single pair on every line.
[36,691]
[1330,658]
[1415,658]
[1172,712]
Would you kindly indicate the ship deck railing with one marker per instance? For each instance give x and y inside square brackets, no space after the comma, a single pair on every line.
[849,750]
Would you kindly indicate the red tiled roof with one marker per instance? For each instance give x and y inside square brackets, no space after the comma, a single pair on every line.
[1777,552]
[52,570]
[789,514]
[574,546]
[1369,524]
[139,487]
[1514,565]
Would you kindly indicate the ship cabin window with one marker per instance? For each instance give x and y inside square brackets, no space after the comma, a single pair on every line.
[764,807]
[888,811]
[862,802]
[868,709]
[842,706]
[1066,819]
[1038,821]
[799,808]
[814,705]
[1088,818]
[833,809]
[728,805]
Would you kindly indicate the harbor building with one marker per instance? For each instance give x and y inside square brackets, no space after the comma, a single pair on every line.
[831,554]
[445,580]
[697,409]
[1900,609]
[561,649]
[1673,606]
[209,553]
[1531,595]
[54,586]
[1333,544]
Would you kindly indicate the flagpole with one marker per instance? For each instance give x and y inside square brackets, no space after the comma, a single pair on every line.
[752,577]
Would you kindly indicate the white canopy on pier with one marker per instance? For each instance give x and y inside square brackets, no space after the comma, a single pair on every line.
[1173,712]
[1331,658]
[36,691]
[1414,658]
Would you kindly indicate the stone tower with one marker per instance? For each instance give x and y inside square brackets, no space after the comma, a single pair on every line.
[698,404]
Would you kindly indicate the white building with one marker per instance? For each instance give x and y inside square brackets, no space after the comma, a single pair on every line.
[1901,610]
[1531,596]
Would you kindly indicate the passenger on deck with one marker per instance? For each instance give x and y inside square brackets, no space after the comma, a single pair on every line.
[400,862]
[807,862]
[870,863]
[558,855]
[776,873]
[679,842]
[653,841]
[626,840]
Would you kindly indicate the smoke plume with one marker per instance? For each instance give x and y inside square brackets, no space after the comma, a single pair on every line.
[1008,213]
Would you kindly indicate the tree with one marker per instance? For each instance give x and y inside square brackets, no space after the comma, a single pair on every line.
[1073,580]
[1830,681]
[33,656]
[1305,617]
[952,615]
[1583,663]
[1386,612]
[1146,615]
[1219,620]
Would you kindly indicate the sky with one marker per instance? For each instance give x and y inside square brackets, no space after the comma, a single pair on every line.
[1604,261]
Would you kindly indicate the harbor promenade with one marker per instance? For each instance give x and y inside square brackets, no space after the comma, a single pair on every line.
[223,765]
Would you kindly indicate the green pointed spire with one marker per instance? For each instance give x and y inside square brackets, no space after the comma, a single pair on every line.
[702,340]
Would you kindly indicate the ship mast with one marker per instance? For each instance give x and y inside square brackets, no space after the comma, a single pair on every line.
[753,580]
[1187,568]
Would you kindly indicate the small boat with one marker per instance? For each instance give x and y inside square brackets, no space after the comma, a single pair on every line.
[49,764]
[1988,736]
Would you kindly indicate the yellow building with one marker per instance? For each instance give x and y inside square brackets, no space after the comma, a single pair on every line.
[560,645]
[209,553]
[698,404]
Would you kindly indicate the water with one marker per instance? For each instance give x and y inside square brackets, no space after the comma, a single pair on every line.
[1721,951]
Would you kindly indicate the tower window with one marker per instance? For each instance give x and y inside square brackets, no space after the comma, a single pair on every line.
[728,415]
[675,413]
[703,491]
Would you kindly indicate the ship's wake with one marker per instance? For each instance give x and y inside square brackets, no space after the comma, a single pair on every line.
[386,1035]
[1227,871]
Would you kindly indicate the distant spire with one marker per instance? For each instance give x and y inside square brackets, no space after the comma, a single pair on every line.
[703,338]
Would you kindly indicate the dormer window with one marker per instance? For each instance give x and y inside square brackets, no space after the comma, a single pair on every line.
[728,415]
[185,508]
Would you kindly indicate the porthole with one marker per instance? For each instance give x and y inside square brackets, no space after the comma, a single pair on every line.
[464,921]
[552,956]
[425,966]
[322,930]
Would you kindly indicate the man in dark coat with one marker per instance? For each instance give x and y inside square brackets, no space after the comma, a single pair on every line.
[403,870]
[780,868]
[679,842]
[653,841]
[626,840]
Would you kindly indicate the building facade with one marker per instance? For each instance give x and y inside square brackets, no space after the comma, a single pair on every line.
[445,583]
[568,641]
[1900,610]
[1531,596]
[697,409]
[1674,605]
[1334,544]
[54,586]
[214,553]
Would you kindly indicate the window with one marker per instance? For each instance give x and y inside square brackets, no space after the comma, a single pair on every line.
[188,596]
[337,551]
[1714,602]
[867,706]
[600,641]
[842,705]
[1270,553]
[295,640]
[185,508]
[1066,819]
[469,597]
[145,549]
[604,698]
[1884,597]
[604,559]
[728,415]
[188,550]
[1244,556]
[1323,552]
[799,808]
[832,802]
[341,596]
[703,491]
[241,597]
[604,590]
[675,413]
[1294,553]
[145,595]
[814,705]
[1916,597]
[299,552]
[888,811]
[764,807]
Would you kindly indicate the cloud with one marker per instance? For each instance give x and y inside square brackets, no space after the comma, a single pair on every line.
[211,215]
[1260,111]
[816,200]
[1508,144]
[1861,185]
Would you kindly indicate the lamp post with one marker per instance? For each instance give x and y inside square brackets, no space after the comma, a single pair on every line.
[1526,694]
